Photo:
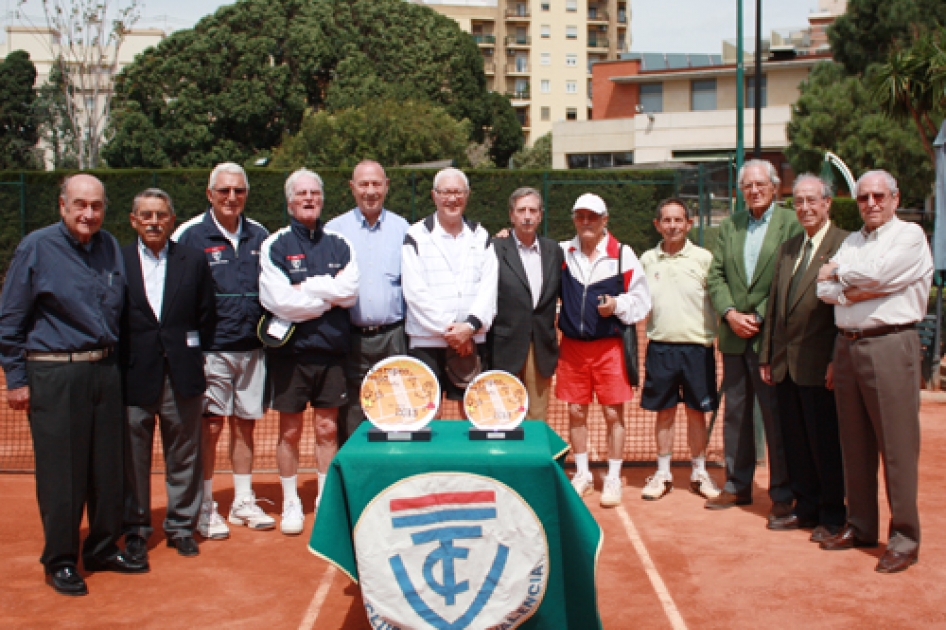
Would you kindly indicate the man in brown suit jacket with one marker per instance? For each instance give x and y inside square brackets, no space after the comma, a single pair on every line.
[797,345]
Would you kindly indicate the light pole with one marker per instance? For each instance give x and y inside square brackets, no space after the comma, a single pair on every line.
[740,100]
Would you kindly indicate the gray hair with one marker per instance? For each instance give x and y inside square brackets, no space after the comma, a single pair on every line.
[152,193]
[295,176]
[769,169]
[827,191]
[227,167]
[525,191]
[888,178]
[451,171]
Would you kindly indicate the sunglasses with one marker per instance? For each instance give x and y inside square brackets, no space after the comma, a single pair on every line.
[225,192]
[866,197]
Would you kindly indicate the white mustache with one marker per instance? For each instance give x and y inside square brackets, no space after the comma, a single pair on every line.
[153,229]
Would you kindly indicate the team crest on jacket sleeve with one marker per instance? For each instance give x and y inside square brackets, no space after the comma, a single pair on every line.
[450,551]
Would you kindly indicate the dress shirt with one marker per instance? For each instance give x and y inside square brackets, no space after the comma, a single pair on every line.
[378,247]
[59,297]
[815,244]
[531,257]
[895,259]
[755,235]
[153,271]
[454,246]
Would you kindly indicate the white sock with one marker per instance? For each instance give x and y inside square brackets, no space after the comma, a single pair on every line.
[663,463]
[581,462]
[614,468]
[208,491]
[289,489]
[242,485]
[699,465]
[321,484]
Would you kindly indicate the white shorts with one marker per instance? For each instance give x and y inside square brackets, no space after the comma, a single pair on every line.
[235,383]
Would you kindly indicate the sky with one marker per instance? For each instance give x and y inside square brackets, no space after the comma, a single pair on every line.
[691,26]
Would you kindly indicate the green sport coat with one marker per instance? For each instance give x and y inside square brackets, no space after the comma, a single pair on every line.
[727,282]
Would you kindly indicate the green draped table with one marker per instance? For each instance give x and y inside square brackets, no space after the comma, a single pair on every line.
[467,498]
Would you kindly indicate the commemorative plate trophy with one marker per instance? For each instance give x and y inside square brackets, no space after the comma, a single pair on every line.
[496,404]
[400,395]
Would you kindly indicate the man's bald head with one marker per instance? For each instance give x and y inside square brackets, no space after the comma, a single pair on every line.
[369,187]
[82,205]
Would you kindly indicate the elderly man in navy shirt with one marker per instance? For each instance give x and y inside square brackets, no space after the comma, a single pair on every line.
[377,318]
[59,320]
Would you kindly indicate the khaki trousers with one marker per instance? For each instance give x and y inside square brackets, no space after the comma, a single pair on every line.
[537,386]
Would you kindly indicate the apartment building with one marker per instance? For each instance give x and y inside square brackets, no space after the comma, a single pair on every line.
[540,52]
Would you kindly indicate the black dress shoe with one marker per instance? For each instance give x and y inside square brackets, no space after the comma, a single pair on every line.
[120,563]
[780,510]
[185,545]
[846,539]
[824,532]
[136,548]
[67,581]
[790,522]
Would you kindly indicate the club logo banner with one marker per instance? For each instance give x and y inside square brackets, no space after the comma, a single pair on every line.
[450,551]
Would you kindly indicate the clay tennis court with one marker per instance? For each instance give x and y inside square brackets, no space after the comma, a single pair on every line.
[668,564]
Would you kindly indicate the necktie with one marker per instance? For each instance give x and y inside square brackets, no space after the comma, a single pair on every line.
[802,267]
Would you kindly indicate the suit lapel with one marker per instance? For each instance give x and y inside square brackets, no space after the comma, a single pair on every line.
[547,247]
[786,274]
[511,256]
[740,223]
[136,282]
[773,238]
[825,251]
[175,257]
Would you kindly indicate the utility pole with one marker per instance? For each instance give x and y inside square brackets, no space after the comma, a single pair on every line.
[757,153]
[740,100]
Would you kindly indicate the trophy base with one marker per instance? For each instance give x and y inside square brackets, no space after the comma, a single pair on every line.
[511,434]
[377,435]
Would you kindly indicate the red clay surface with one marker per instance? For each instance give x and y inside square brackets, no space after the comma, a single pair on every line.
[721,569]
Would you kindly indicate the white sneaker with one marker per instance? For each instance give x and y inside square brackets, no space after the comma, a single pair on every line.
[702,484]
[584,484]
[611,492]
[657,486]
[211,525]
[293,519]
[244,511]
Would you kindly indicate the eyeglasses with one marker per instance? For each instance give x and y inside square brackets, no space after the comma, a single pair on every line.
[801,202]
[455,194]
[307,193]
[866,197]
[151,215]
[752,185]
[225,192]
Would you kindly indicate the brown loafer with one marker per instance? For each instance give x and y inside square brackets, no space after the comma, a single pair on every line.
[789,523]
[780,510]
[846,539]
[727,500]
[824,532]
[895,561]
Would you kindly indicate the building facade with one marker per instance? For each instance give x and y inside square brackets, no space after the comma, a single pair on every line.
[540,52]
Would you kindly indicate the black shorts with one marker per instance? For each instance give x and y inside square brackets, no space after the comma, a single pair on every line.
[436,360]
[672,368]
[292,381]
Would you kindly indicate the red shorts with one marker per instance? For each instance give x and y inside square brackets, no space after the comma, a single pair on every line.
[592,367]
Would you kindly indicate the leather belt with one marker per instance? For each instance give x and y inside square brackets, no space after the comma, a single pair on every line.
[366,331]
[854,334]
[70,357]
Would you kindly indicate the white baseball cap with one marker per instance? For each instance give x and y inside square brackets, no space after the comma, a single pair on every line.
[591,201]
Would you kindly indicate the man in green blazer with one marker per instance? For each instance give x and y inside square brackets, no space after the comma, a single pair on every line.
[739,281]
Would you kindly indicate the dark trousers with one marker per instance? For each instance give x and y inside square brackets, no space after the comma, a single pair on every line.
[366,351]
[809,420]
[180,423]
[877,384]
[76,422]
[742,383]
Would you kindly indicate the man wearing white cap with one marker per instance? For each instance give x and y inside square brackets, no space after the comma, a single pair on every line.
[604,290]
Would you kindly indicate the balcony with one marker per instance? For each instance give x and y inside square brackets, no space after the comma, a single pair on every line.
[518,95]
[597,16]
[484,39]
[518,13]
[622,16]
[598,43]
[489,67]
[517,68]
[518,40]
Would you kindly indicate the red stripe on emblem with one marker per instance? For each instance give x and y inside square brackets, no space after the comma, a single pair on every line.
[216,249]
[443,498]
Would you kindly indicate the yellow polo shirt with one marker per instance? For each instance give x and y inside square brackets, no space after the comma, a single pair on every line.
[682,311]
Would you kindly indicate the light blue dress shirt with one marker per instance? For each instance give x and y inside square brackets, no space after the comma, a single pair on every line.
[378,251]
[755,234]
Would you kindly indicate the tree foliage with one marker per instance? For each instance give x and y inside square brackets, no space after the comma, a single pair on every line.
[505,132]
[536,157]
[870,29]
[242,78]
[836,112]
[55,128]
[391,132]
[18,135]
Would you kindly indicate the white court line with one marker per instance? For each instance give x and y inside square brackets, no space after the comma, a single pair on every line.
[670,608]
[315,606]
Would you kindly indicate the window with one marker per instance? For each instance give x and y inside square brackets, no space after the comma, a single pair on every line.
[89,103]
[571,87]
[571,113]
[545,59]
[522,88]
[571,32]
[571,5]
[545,6]
[545,31]
[599,160]
[652,97]
[703,95]
[545,86]
[571,59]
[522,63]
[546,113]
[577,161]
[750,92]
